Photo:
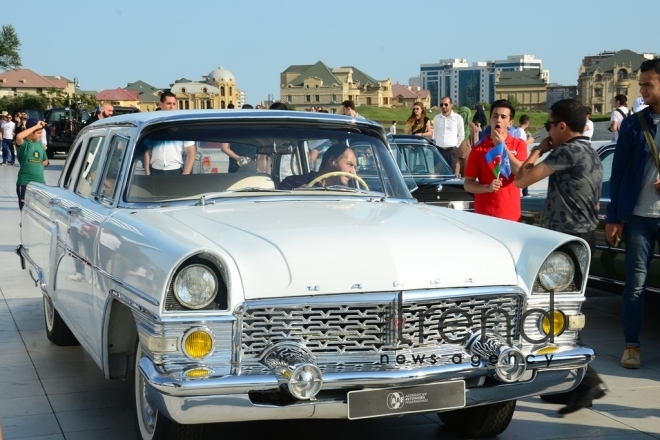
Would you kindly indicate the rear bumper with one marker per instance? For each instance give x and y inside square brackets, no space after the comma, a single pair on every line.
[226,398]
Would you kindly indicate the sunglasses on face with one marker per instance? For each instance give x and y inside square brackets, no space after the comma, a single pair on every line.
[549,124]
[444,105]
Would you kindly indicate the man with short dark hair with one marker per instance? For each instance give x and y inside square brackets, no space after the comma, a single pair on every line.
[619,113]
[575,178]
[167,157]
[448,131]
[348,108]
[487,172]
[633,213]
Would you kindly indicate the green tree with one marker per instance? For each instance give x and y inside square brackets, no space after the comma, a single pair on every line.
[23,102]
[512,99]
[9,46]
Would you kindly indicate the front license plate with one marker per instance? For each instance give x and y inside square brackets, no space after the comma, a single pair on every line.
[392,401]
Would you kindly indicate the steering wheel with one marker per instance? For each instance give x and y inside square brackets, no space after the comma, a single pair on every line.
[338,173]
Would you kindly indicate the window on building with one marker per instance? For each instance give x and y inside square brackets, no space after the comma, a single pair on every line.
[385,101]
[368,101]
[209,104]
[317,98]
[187,104]
[205,90]
[598,108]
[40,91]
[180,105]
[622,74]
[222,104]
[289,99]
[598,77]
[622,91]
[598,93]
[308,98]
[334,98]
[183,90]
[222,91]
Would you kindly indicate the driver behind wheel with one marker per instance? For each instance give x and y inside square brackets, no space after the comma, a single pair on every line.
[338,157]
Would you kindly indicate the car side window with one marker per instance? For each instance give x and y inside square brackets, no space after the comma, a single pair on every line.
[607,158]
[115,157]
[67,176]
[89,167]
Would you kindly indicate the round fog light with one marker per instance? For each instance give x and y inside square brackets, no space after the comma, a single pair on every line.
[305,382]
[197,344]
[553,323]
[511,365]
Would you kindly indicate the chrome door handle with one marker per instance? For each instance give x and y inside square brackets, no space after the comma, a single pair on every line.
[74,210]
[54,201]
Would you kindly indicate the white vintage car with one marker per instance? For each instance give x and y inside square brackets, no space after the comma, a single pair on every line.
[227,295]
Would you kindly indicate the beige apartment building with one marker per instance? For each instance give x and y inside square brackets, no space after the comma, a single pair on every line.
[608,74]
[527,87]
[119,97]
[407,96]
[24,81]
[304,86]
[215,90]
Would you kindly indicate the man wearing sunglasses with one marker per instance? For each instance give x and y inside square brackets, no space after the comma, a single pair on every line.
[575,178]
[448,131]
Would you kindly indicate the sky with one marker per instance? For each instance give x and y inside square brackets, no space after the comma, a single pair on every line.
[109,44]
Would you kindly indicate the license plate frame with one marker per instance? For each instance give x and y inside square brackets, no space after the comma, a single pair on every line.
[383,402]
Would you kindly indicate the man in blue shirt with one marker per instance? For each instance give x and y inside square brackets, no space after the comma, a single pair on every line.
[634,211]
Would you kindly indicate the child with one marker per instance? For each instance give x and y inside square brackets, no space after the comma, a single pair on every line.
[31,156]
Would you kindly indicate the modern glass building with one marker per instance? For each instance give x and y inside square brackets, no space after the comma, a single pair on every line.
[467,85]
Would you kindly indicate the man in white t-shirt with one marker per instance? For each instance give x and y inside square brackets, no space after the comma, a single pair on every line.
[620,112]
[8,126]
[448,131]
[589,127]
[166,157]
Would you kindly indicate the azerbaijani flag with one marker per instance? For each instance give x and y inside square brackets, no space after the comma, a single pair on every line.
[497,159]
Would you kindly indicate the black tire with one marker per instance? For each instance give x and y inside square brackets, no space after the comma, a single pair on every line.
[480,421]
[56,329]
[150,424]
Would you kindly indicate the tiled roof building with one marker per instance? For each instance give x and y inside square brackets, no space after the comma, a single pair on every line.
[317,84]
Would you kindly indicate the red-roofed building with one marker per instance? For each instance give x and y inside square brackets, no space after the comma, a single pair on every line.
[24,81]
[119,96]
[407,96]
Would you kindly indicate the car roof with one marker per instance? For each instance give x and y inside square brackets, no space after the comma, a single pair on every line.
[184,115]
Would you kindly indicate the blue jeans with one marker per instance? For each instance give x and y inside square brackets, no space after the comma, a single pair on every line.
[8,151]
[640,236]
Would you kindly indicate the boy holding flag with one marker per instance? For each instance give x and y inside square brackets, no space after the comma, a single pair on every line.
[492,164]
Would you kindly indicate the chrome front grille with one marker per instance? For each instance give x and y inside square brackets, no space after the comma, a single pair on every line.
[354,329]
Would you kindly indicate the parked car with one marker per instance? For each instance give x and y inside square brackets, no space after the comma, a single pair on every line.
[62,126]
[225,298]
[607,263]
[436,182]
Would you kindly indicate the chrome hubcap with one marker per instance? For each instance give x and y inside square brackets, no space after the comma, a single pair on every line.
[49,311]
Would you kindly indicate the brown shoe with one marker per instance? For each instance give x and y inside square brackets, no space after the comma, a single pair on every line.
[631,357]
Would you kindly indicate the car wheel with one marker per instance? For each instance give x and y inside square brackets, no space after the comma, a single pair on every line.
[150,423]
[56,329]
[480,421]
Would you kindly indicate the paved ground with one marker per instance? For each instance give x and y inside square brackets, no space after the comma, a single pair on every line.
[54,393]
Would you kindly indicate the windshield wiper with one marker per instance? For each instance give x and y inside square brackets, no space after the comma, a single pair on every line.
[335,189]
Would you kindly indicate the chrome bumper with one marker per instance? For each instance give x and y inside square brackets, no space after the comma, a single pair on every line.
[212,400]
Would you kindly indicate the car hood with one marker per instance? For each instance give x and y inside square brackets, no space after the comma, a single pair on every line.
[293,248]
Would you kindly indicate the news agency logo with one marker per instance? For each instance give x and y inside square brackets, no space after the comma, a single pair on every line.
[395,400]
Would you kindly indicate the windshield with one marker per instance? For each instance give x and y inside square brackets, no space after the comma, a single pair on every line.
[420,159]
[244,158]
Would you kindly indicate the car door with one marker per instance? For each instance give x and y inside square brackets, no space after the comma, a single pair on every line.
[95,189]
[73,215]
[608,261]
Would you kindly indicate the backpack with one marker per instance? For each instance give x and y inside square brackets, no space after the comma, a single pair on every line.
[623,114]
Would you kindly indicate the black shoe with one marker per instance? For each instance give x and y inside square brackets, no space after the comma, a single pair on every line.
[583,399]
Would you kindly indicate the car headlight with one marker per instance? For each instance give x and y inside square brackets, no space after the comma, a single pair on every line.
[195,286]
[557,271]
